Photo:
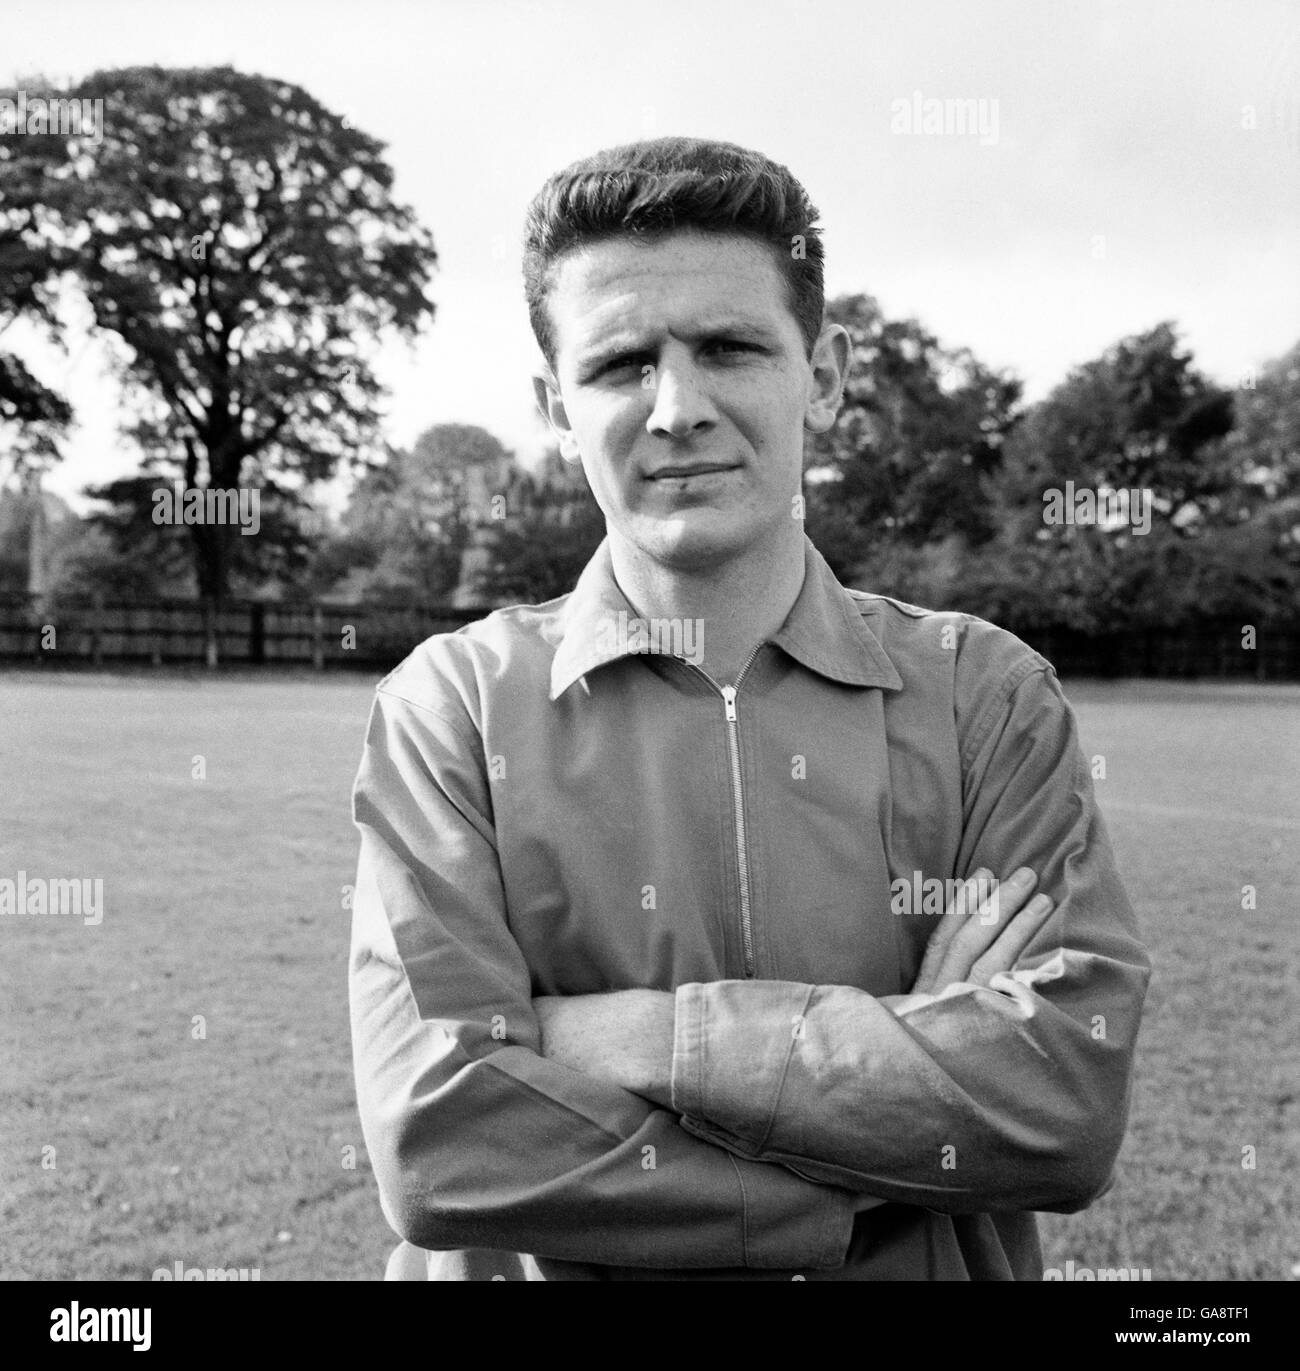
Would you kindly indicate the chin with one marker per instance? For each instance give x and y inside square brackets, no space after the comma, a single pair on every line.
[694,541]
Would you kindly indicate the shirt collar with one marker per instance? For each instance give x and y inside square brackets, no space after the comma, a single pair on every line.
[825,629]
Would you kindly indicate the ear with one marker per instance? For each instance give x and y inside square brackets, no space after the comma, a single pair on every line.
[546,391]
[832,356]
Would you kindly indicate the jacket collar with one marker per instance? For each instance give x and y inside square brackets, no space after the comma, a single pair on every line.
[825,629]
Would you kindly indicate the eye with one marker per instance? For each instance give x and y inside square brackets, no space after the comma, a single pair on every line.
[615,365]
[731,345]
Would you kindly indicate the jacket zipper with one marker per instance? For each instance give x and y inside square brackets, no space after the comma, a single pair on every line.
[729,694]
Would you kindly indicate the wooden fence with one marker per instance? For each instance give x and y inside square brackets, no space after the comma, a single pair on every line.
[255,633]
[1211,649]
[247,633]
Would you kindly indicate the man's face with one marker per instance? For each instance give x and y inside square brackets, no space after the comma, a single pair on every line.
[684,386]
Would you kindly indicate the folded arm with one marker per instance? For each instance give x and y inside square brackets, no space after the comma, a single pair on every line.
[477,1140]
[975,1097]
[1000,1082]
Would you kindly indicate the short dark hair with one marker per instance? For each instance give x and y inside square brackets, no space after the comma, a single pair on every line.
[653,187]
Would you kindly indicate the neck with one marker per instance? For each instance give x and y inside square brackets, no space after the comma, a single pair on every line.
[737,605]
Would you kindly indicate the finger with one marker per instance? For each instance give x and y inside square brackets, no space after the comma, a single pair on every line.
[981,930]
[1015,937]
[968,898]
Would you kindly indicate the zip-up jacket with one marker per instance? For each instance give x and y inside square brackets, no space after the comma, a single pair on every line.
[546,808]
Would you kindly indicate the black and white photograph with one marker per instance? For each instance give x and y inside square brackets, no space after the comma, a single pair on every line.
[649,644]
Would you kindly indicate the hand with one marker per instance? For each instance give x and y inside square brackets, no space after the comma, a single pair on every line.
[624,1037]
[983,932]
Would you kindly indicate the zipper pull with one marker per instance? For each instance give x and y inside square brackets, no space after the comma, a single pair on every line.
[729,699]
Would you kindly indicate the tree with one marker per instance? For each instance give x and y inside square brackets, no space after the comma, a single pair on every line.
[1140,416]
[920,428]
[40,415]
[551,527]
[1264,448]
[457,518]
[409,520]
[32,416]
[46,549]
[1265,443]
[241,244]
[89,562]
[1143,419]
[256,566]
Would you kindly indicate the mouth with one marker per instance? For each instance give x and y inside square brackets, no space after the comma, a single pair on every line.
[689,472]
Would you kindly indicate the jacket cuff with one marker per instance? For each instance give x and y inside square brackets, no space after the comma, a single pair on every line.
[731,1050]
[792,1222]
[728,1070]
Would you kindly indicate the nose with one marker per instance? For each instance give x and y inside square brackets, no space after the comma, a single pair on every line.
[682,405]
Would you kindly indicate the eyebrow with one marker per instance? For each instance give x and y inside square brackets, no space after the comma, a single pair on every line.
[619,345]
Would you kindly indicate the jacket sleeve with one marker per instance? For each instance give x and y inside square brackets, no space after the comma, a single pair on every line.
[1011,1096]
[477,1141]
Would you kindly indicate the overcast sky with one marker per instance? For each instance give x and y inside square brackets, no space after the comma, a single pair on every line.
[1121,184]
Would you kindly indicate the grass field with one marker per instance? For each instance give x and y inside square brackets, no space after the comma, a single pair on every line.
[224,900]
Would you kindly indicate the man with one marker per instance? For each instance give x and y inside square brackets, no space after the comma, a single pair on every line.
[650,979]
